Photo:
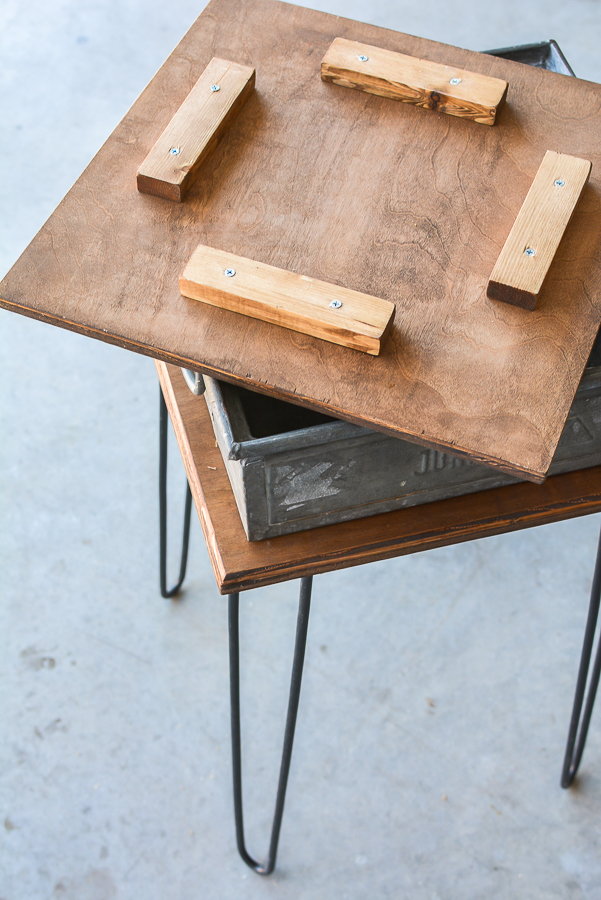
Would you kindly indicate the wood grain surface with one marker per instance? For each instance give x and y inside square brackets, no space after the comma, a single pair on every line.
[532,243]
[286,299]
[193,132]
[429,85]
[239,564]
[350,188]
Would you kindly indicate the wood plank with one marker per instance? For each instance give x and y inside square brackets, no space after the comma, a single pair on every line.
[239,564]
[378,196]
[293,301]
[427,84]
[532,243]
[193,132]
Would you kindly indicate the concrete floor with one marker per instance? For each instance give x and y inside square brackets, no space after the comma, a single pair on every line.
[438,687]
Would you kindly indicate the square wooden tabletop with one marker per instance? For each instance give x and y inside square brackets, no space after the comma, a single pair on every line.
[359,190]
[239,564]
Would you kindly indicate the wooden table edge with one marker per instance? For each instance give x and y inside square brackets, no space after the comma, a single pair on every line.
[535,476]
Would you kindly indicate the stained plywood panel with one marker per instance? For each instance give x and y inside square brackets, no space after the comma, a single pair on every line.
[377,196]
[239,564]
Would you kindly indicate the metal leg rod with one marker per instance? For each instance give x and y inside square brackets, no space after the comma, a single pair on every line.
[171,592]
[295,686]
[579,725]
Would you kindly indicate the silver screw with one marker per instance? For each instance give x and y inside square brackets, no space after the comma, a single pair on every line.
[455,81]
[229,272]
[363,57]
[174,151]
[529,251]
[336,304]
[559,182]
[215,87]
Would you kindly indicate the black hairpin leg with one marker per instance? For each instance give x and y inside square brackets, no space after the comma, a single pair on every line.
[163,510]
[579,726]
[295,686]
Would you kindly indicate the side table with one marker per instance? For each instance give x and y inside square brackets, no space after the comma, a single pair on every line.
[106,266]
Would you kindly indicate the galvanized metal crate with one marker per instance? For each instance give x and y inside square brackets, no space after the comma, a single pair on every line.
[542,55]
[292,469]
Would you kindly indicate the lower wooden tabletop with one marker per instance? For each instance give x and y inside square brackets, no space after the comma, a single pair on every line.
[239,564]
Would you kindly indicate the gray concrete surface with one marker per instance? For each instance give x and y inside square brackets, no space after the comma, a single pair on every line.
[438,687]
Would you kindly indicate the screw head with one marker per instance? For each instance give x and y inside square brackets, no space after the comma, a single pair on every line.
[529,251]
[559,182]
[215,87]
[363,57]
[229,272]
[174,151]
[336,304]
[455,81]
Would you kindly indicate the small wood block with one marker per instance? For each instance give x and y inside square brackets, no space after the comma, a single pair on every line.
[528,252]
[430,85]
[284,298]
[193,132]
